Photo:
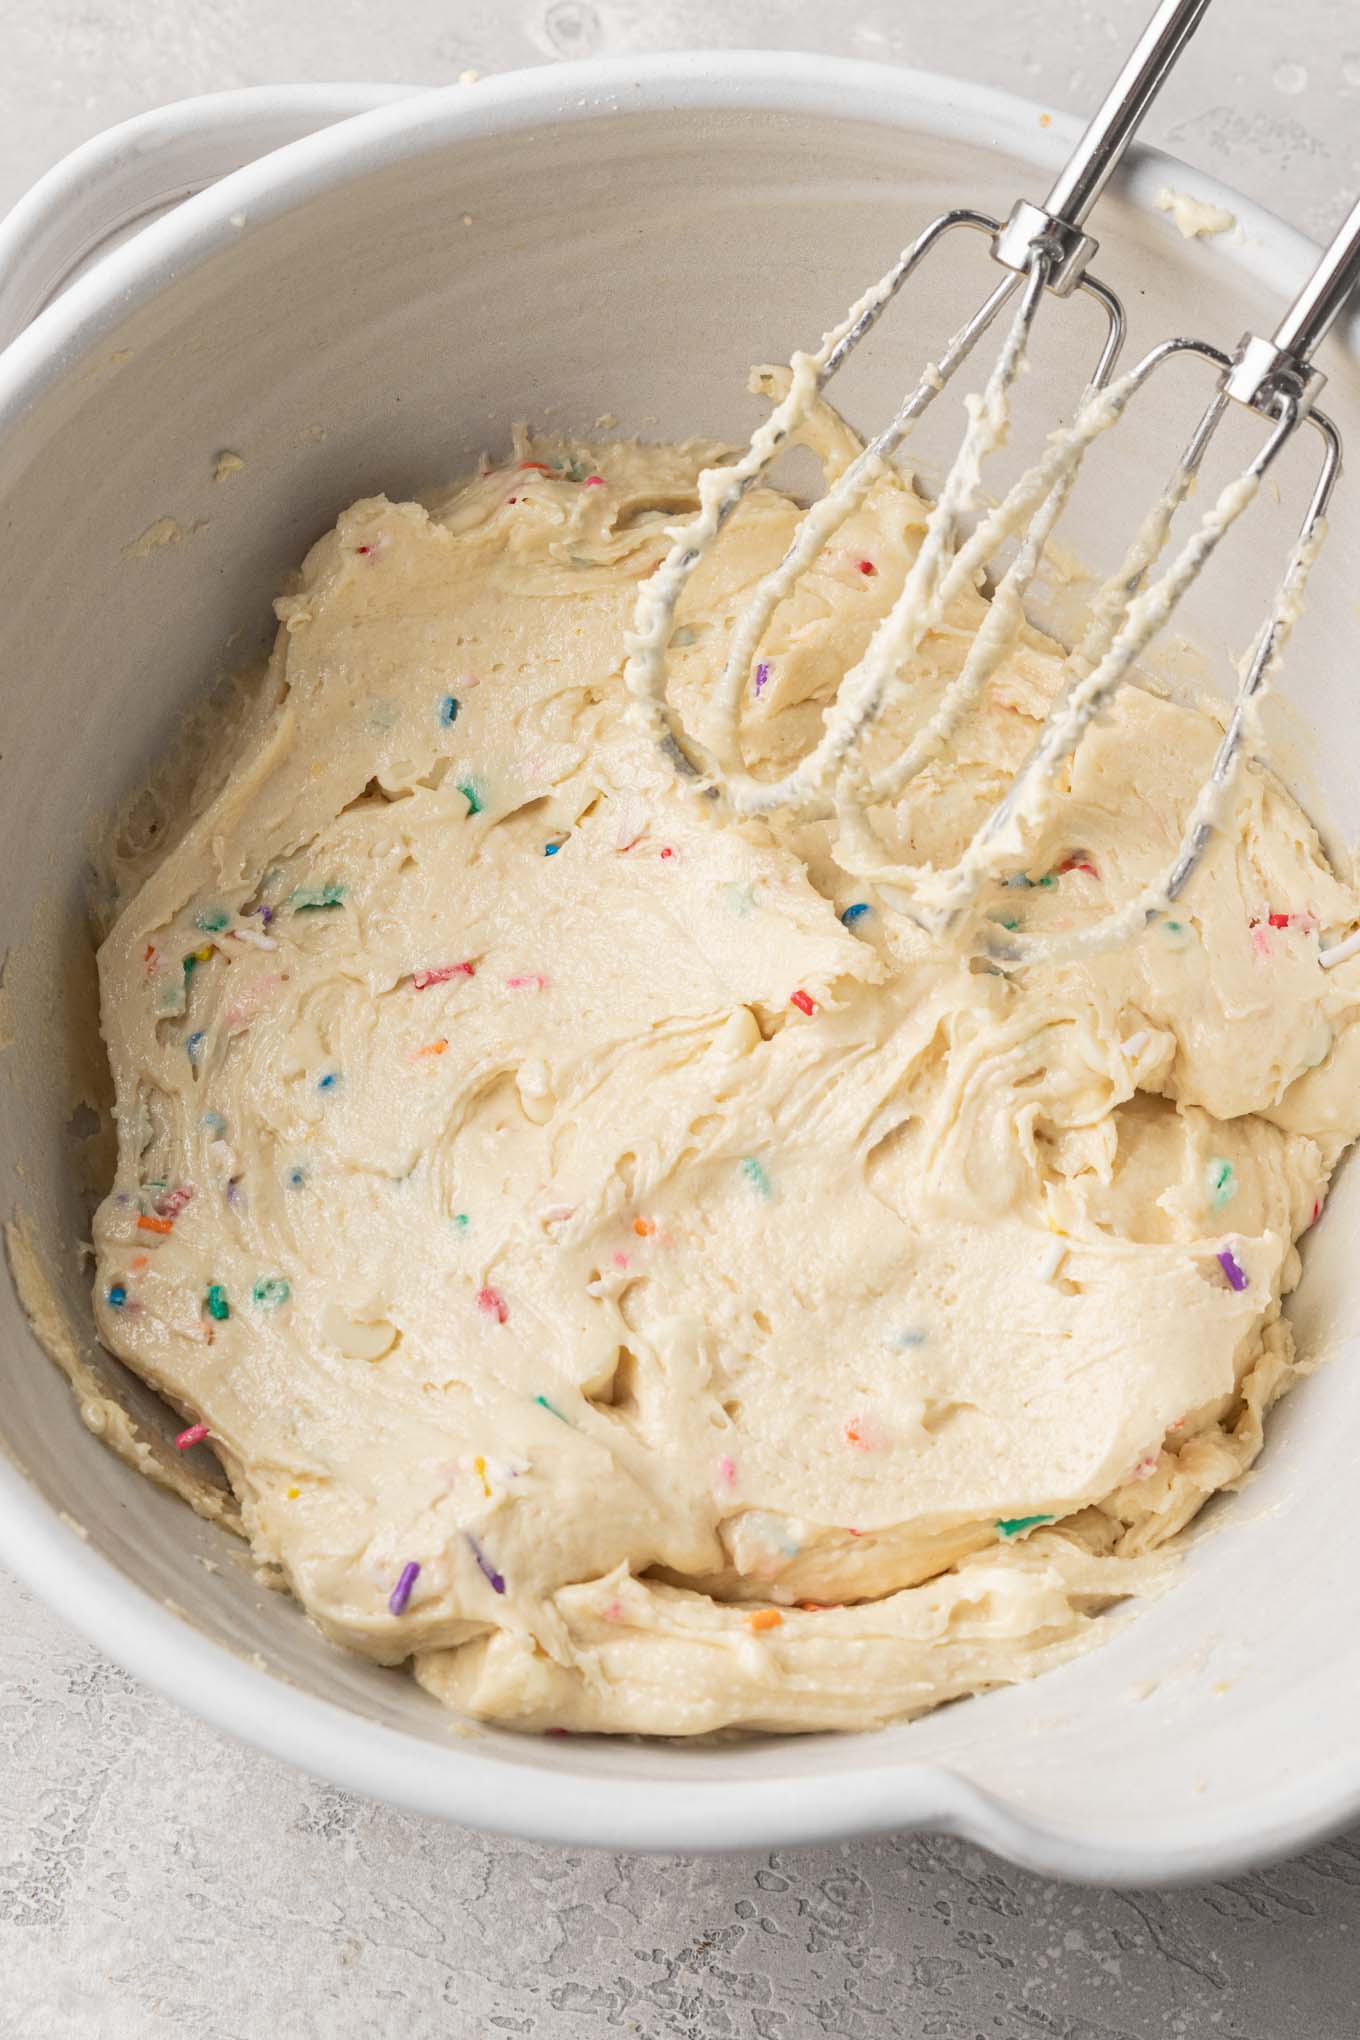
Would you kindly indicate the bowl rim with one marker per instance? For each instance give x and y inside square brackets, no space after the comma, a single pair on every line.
[154,1644]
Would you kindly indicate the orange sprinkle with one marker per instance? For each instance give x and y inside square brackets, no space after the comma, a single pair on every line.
[434,1047]
[138,1262]
[853,1434]
[764,1618]
[1045,120]
[480,1466]
[644,1227]
[160,1225]
[820,1607]
[541,465]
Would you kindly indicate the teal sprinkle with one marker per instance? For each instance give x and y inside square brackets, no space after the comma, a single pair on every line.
[1220,1180]
[212,920]
[551,1408]
[756,1177]
[1049,879]
[1015,1526]
[329,1081]
[551,849]
[296,1178]
[1010,921]
[852,914]
[271,1291]
[310,899]
[214,1122]
[193,1043]
[448,710]
[461,1220]
[190,964]
[216,1302]
[474,794]
[118,1296]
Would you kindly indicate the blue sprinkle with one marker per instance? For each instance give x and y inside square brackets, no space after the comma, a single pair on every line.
[852,914]
[118,1296]
[297,1177]
[551,849]
[448,710]
[193,1043]
[214,1122]
[329,1081]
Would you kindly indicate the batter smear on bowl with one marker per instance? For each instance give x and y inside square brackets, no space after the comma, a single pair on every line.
[624,1266]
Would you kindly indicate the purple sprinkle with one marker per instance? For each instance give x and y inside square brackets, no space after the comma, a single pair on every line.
[401,1593]
[487,1568]
[1236,1276]
[266,915]
[762,675]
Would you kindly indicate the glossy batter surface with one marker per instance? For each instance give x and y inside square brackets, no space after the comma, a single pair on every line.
[623,1266]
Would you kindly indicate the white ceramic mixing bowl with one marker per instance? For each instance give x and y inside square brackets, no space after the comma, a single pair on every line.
[635,235]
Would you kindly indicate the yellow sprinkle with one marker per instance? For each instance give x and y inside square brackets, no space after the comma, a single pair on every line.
[480,1464]
[293,1493]
[204,953]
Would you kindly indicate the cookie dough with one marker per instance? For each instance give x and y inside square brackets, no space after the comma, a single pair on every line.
[625,1268]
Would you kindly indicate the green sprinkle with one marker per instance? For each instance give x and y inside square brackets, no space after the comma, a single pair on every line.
[212,920]
[756,1177]
[1220,1180]
[1016,1526]
[310,899]
[461,1220]
[271,1291]
[551,1408]
[215,1302]
[1048,879]
[474,793]
[1010,921]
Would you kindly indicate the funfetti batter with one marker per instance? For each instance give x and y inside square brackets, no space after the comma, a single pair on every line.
[623,1266]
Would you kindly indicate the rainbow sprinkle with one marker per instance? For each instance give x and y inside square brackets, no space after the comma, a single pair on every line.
[1232,1268]
[271,1291]
[312,899]
[1220,1180]
[401,1593]
[215,1302]
[195,1435]
[1016,1526]
[755,1175]
[484,1564]
[448,710]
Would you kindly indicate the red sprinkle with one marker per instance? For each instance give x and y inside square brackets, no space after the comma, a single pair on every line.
[804,1001]
[668,852]
[441,973]
[1280,920]
[494,1304]
[866,566]
[1078,864]
[363,549]
[195,1435]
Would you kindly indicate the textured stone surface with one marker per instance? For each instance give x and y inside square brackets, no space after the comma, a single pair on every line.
[159,1883]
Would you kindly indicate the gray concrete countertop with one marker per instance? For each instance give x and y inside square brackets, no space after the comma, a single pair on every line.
[160,1883]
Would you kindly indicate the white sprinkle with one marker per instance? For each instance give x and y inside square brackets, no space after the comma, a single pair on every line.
[1052,1261]
[255,940]
[1339,951]
[1136,1043]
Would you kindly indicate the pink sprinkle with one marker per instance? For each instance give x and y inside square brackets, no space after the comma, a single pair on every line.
[1145,1468]
[493,1304]
[1260,940]
[170,1203]
[1236,1275]
[523,984]
[613,1611]
[620,1260]
[804,1001]
[593,482]
[195,1435]
[441,973]
[727,1471]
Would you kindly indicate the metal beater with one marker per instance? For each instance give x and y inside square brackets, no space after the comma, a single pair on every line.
[1045,251]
